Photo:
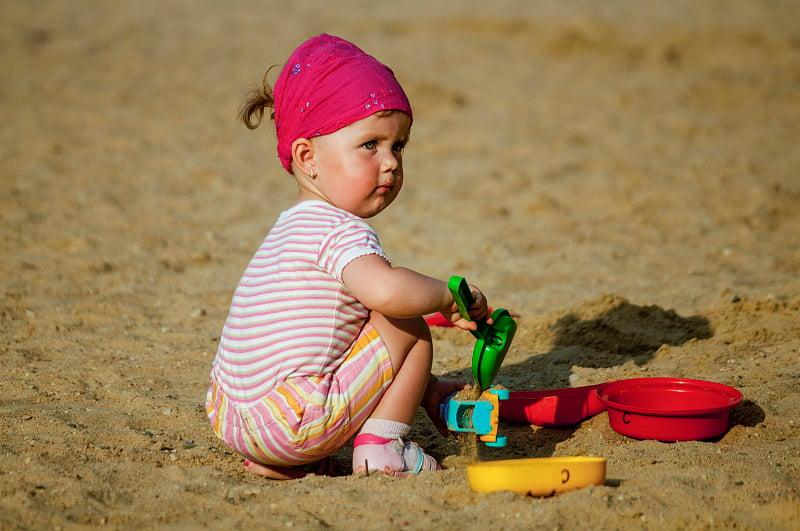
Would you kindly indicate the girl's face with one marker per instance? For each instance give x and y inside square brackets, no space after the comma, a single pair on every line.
[359,168]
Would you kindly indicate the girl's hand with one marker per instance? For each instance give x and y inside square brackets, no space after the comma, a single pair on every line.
[478,311]
[435,393]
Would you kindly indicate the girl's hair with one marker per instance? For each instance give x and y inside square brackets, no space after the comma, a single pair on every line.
[251,112]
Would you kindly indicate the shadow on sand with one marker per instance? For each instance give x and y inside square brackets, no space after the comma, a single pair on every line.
[606,333]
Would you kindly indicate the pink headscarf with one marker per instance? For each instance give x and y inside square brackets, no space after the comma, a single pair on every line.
[329,83]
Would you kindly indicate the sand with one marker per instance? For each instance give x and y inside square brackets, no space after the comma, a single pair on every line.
[623,176]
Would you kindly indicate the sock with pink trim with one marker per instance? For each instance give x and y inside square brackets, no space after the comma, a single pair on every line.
[388,429]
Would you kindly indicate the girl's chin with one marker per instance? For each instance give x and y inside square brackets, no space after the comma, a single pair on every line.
[368,213]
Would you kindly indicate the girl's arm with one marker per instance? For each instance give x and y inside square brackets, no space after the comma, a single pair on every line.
[403,293]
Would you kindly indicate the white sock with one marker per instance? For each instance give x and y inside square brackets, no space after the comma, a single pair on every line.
[388,429]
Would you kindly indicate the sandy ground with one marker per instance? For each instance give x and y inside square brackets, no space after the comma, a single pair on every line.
[624,177]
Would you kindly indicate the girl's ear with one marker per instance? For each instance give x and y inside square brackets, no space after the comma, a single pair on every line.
[303,155]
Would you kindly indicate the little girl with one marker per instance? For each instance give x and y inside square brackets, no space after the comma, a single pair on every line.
[325,339]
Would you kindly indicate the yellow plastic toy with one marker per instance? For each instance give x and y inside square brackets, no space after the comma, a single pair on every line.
[538,476]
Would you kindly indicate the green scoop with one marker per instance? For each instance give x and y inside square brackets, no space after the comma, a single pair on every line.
[493,340]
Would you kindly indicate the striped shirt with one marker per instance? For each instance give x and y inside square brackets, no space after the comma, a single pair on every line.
[291,314]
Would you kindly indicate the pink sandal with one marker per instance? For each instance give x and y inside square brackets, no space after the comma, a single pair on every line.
[390,456]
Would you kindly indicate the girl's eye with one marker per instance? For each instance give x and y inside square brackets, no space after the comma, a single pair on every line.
[399,146]
[370,145]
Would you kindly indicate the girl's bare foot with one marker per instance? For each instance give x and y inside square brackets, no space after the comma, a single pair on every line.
[389,471]
[324,467]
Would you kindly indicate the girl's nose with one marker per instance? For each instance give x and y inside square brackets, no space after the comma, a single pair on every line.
[390,163]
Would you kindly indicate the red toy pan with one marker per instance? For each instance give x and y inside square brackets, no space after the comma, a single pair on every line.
[554,407]
[668,409]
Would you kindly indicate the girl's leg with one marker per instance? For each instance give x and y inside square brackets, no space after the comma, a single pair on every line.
[411,351]
[380,444]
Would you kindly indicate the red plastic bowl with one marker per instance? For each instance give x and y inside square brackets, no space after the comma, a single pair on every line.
[668,409]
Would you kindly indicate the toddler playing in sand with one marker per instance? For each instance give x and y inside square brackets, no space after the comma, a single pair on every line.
[325,339]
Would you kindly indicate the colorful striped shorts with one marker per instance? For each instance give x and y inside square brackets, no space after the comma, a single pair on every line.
[306,418]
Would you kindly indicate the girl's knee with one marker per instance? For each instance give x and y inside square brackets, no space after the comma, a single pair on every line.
[402,336]
[414,327]
[419,328]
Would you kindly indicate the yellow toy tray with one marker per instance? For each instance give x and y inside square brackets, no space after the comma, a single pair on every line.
[538,476]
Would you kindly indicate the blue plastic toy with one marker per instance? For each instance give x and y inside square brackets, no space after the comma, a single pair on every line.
[479,416]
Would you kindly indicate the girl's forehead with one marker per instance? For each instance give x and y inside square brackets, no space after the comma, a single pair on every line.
[392,125]
[397,121]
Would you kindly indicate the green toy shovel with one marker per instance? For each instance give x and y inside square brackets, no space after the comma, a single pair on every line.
[493,340]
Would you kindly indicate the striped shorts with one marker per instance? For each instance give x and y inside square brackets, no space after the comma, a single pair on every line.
[305,419]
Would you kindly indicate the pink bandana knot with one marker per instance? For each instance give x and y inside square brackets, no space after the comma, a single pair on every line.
[329,83]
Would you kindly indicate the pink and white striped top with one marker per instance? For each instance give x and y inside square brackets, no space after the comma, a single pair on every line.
[291,314]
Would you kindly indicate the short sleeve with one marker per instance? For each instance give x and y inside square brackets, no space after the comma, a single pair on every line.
[346,242]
